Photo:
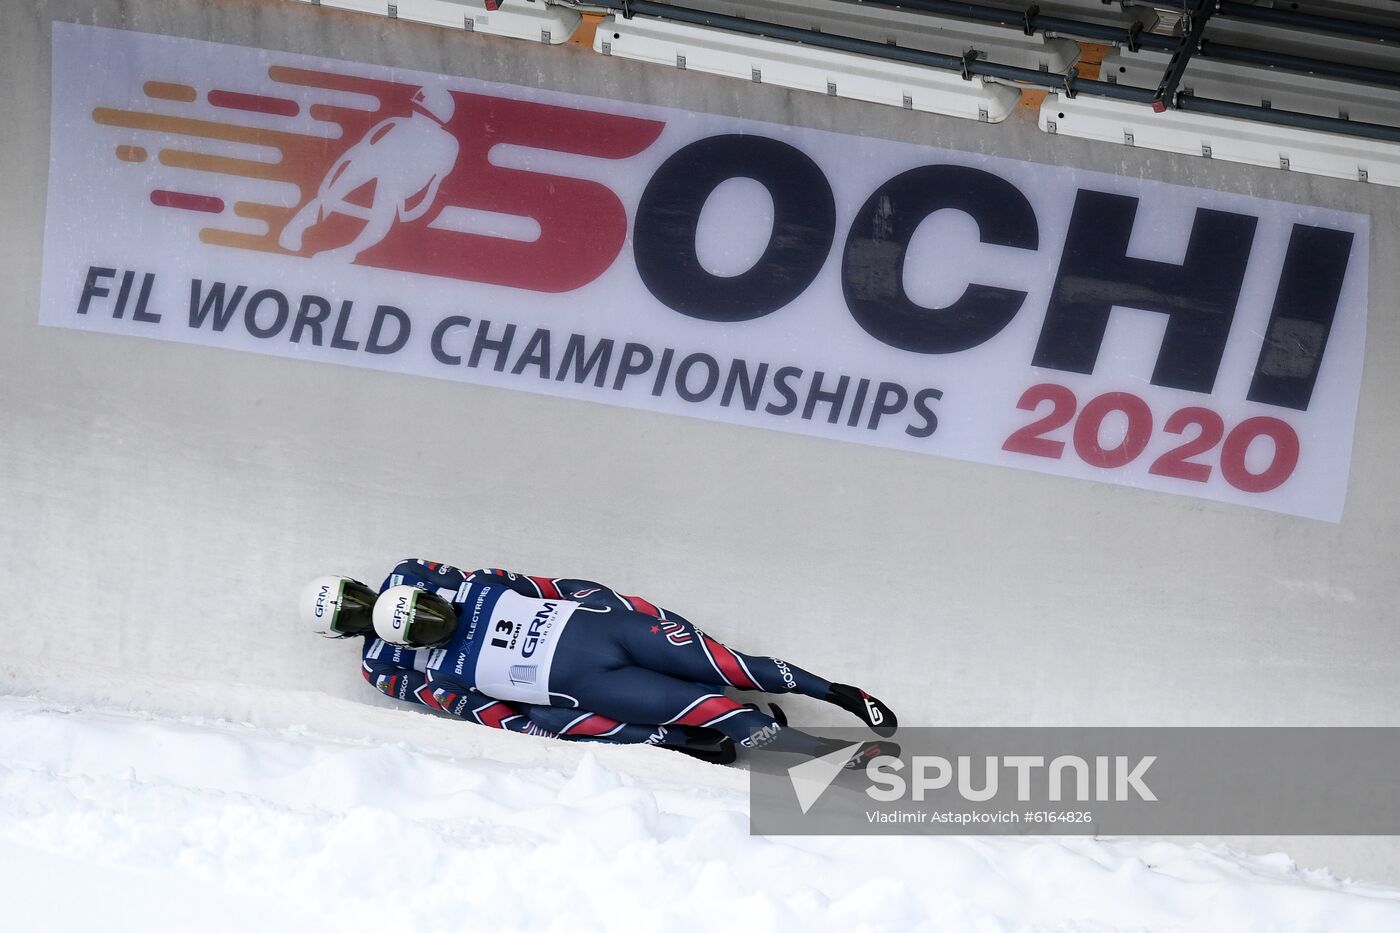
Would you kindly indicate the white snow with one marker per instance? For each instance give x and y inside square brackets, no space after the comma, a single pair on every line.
[118,819]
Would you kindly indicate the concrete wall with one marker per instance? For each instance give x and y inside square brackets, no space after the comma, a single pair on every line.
[175,498]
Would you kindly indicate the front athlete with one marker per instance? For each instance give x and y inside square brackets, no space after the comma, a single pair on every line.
[340,607]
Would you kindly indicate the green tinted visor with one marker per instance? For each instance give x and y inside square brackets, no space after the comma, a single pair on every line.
[356,613]
[432,622]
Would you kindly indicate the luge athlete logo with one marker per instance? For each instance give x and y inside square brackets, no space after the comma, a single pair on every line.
[391,184]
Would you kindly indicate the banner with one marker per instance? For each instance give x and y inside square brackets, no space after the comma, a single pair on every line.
[898,295]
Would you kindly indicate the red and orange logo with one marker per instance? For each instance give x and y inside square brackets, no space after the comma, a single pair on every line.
[382,192]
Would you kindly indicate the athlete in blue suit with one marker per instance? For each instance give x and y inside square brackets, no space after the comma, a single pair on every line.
[567,657]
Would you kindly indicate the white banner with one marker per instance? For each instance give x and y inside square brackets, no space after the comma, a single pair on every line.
[898,295]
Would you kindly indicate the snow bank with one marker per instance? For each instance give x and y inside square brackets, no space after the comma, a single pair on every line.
[114,818]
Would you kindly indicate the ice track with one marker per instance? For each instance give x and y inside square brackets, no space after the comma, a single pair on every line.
[361,817]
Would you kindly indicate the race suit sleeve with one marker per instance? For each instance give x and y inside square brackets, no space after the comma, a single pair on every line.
[587,592]
[443,579]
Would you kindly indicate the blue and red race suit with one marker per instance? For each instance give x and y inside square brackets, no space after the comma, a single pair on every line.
[401,673]
[618,668]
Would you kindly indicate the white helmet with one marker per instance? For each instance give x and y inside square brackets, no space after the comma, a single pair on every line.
[337,607]
[437,101]
[418,618]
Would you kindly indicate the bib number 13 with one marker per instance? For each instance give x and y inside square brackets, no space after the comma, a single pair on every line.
[506,626]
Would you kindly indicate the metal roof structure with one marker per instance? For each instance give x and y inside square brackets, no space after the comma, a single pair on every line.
[1303,85]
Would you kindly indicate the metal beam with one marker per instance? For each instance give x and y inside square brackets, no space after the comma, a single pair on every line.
[1195,15]
[1031,21]
[1304,121]
[1308,21]
[972,64]
[969,65]
[1296,63]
